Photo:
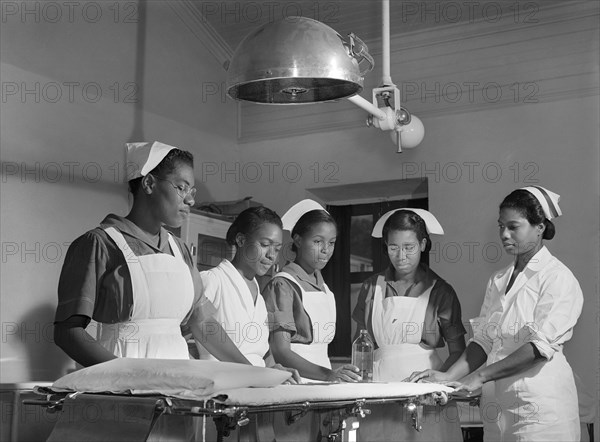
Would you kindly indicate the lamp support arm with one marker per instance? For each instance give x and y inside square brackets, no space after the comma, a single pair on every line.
[386,79]
[368,106]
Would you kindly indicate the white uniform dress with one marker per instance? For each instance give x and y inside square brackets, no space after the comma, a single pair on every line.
[541,308]
[398,325]
[244,319]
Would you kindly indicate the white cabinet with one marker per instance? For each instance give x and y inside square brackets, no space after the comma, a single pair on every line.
[205,236]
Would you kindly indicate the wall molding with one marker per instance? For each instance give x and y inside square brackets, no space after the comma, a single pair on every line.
[197,24]
[462,68]
[372,191]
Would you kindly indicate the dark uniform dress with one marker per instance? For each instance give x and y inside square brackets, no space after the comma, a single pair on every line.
[406,329]
[139,294]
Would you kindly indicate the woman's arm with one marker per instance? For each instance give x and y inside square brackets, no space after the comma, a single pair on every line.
[470,360]
[279,297]
[215,339]
[85,267]
[280,341]
[71,337]
[518,361]
[270,363]
[449,318]
[456,348]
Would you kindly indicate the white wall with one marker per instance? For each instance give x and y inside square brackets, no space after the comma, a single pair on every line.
[63,147]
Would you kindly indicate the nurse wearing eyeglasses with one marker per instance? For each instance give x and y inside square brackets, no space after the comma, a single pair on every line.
[410,311]
[134,278]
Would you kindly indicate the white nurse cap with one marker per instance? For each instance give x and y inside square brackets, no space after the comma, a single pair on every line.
[294,213]
[431,222]
[143,157]
[548,200]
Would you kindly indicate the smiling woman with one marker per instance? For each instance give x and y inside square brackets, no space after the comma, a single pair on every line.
[232,286]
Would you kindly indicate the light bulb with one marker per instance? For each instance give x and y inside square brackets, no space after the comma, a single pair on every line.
[412,134]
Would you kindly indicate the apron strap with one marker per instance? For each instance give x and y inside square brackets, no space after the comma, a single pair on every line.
[175,248]
[119,240]
[139,282]
[131,259]
[314,319]
[289,278]
[292,279]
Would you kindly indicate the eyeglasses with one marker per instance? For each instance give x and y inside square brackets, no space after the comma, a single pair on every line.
[183,190]
[408,248]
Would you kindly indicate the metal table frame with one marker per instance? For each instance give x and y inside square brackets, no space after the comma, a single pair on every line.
[227,416]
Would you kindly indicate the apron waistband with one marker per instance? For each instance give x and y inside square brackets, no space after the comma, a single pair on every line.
[404,349]
[398,361]
[146,326]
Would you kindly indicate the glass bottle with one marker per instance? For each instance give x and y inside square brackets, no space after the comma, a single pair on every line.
[362,355]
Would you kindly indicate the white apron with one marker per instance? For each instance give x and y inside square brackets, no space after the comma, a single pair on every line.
[244,321]
[163,293]
[320,307]
[398,323]
[538,404]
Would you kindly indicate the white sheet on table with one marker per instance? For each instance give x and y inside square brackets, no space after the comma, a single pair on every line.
[183,378]
[285,394]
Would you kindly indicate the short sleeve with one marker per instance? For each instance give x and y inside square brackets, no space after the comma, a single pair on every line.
[449,314]
[360,310]
[279,300]
[81,277]
[210,287]
[555,313]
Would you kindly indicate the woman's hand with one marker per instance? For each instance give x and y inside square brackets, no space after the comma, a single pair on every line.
[295,379]
[470,384]
[345,373]
[428,376]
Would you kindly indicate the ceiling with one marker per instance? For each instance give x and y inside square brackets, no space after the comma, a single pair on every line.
[232,20]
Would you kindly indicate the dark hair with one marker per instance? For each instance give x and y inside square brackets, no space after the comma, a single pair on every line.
[249,220]
[169,163]
[528,205]
[407,220]
[308,220]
